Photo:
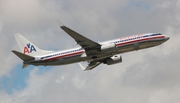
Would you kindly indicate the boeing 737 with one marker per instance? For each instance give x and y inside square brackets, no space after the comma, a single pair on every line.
[107,52]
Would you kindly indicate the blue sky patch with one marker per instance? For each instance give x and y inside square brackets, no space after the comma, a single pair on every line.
[17,78]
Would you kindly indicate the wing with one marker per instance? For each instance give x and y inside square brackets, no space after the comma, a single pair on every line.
[84,42]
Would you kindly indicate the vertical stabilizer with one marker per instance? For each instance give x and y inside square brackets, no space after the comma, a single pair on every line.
[28,47]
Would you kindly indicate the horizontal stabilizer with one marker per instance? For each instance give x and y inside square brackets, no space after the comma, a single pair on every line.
[22,56]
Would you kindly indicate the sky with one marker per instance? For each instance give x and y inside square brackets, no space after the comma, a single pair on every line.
[145,76]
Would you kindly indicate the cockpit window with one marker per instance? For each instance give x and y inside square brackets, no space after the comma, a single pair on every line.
[155,34]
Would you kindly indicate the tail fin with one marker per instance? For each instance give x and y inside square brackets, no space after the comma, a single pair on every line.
[27,47]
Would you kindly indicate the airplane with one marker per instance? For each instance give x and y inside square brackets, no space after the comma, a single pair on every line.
[107,52]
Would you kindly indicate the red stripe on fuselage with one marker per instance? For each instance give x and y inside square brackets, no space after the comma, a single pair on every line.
[138,40]
[120,44]
[62,56]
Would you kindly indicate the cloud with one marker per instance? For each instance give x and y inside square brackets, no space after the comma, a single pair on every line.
[149,75]
[163,96]
[7,61]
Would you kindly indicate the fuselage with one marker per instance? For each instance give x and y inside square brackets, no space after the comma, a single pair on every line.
[78,54]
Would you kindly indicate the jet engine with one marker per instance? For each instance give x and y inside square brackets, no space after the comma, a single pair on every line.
[111,47]
[113,60]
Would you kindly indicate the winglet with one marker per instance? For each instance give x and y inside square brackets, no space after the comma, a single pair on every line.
[90,66]
[82,67]
[25,65]
[60,24]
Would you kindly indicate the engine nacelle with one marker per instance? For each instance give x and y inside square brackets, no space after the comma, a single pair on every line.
[113,60]
[111,47]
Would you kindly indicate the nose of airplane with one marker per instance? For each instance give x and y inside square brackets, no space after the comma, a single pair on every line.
[164,39]
[167,38]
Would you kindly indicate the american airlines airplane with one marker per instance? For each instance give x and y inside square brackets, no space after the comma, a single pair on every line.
[94,53]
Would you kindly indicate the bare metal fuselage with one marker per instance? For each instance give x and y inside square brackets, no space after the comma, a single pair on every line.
[121,48]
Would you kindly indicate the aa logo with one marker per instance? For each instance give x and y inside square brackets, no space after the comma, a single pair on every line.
[29,48]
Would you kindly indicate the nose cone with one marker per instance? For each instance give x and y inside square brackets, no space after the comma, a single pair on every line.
[167,38]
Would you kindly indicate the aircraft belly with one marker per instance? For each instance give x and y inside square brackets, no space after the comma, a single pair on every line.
[153,43]
[138,46]
[126,48]
[70,60]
